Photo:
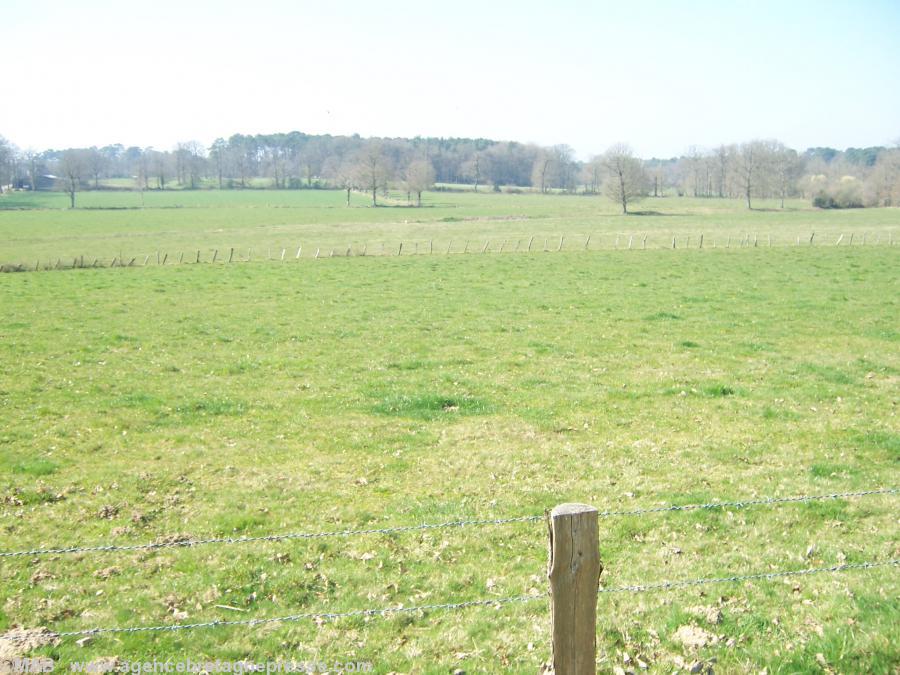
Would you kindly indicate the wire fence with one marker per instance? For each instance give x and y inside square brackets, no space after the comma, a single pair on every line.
[451,606]
[512,244]
[187,543]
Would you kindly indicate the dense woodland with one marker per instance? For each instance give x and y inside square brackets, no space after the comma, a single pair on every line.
[828,177]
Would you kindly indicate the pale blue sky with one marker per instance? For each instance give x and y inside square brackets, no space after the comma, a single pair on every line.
[661,76]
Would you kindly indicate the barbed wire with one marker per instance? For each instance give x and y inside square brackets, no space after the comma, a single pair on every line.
[271,537]
[552,243]
[668,585]
[749,502]
[187,543]
[450,606]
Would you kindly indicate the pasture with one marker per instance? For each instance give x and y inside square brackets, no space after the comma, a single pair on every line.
[164,402]
[38,228]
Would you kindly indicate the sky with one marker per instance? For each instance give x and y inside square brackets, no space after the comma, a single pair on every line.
[662,76]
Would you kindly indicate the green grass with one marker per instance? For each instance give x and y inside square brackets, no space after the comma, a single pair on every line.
[229,400]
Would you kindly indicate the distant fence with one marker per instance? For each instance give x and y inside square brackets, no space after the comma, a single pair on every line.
[527,244]
[573,573]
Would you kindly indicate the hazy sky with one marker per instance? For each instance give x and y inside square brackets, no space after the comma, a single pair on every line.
[659,75]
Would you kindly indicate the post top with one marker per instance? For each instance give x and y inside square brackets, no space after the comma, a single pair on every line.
[571,509]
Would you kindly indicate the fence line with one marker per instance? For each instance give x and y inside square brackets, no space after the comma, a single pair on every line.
[492,602]
[553,244]
[434,526]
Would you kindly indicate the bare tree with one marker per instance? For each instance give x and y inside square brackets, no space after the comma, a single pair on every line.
[419,177]
[31,157]
[625,178]
[472,170]
[723,159]
[786,168]
[883,184]
[218,153]
[373,169]
[73,166]
[540,172]
[159,166]
[96,164]
[750,165]
[591,174]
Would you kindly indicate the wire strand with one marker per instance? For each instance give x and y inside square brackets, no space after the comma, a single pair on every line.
[187,543]
[386,611]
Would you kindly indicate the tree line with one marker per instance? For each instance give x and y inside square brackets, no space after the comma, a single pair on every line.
[749,171]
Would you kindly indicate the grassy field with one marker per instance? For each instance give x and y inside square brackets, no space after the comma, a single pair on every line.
[240,400]
[38,228]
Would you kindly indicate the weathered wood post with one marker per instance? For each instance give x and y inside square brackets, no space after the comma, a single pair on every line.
[574,573]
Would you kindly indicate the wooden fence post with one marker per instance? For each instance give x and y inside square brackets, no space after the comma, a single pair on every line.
[574,573]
